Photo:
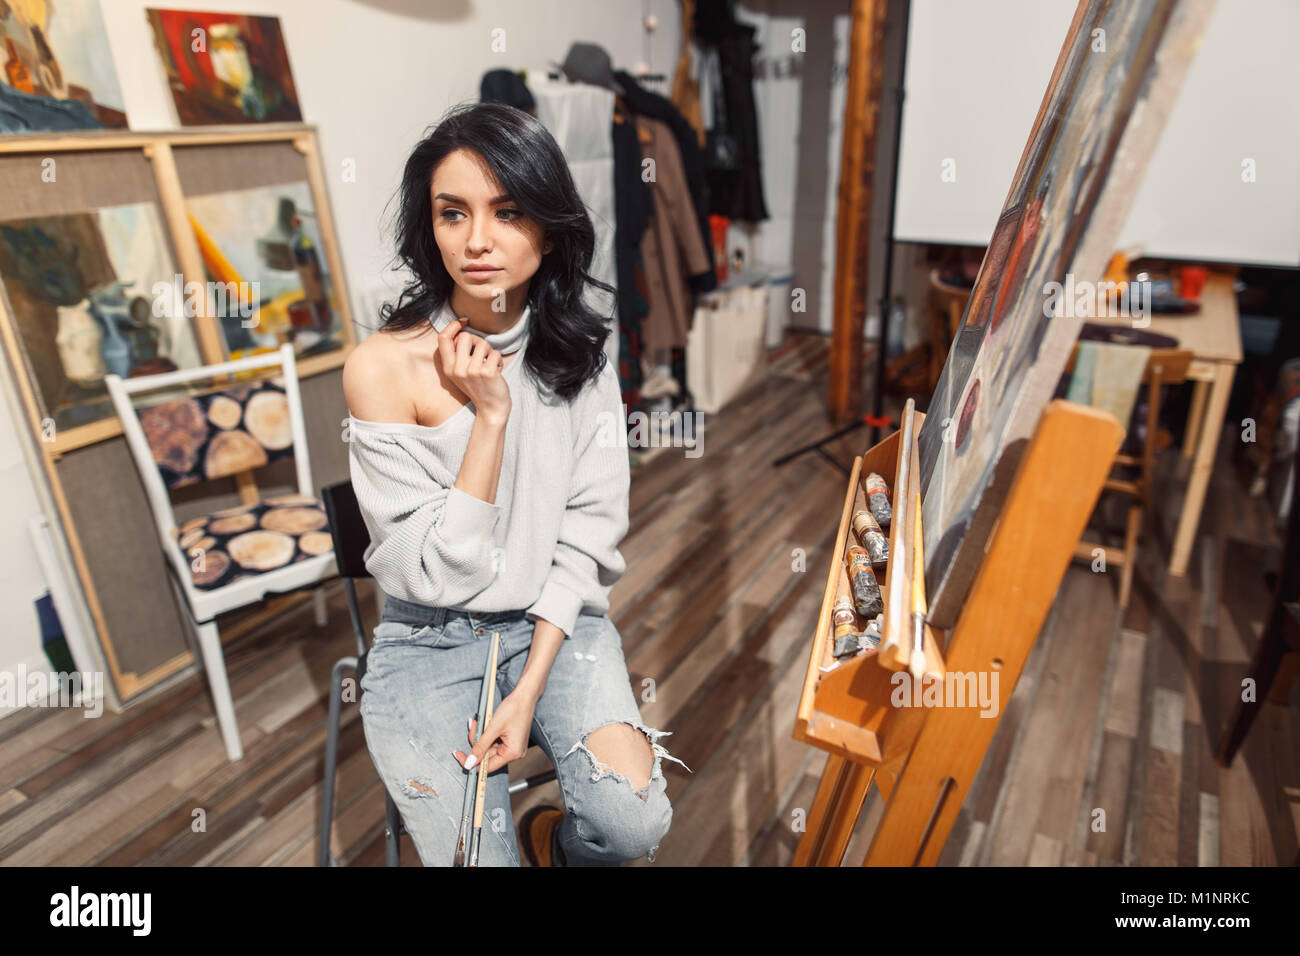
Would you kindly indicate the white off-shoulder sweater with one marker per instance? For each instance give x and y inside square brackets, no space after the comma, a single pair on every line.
[549,543]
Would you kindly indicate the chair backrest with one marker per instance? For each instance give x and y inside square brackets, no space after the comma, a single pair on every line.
[1171,363]
[950,299]
[216,432]
[351,536]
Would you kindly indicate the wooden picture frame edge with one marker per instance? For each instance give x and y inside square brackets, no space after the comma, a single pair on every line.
[157,147]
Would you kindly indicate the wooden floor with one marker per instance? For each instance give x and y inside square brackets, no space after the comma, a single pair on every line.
[1115,714]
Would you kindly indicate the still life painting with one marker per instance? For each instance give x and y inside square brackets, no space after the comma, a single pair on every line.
[58,70]
[82,291]
[264,246]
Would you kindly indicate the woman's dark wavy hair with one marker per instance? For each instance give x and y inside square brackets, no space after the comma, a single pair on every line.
[566,336]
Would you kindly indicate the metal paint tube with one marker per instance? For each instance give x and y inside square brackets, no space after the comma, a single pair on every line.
[878,499]
[845,620]
[866,592]
[842,612]
[847,644]
[871,537]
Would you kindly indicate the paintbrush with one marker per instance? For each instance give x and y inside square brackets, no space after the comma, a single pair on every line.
[482,767]
[901,546]
[917,663]
[467,805]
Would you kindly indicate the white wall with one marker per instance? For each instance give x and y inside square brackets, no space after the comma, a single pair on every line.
[21,580]
[976,73]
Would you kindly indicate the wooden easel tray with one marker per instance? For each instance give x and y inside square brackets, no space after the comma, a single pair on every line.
[845,706]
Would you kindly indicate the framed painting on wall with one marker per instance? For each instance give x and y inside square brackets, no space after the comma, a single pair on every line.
[58,71]
[86,294]
[225,68]
[1115,81]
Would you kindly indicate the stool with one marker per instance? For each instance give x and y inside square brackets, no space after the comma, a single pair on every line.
[351,538]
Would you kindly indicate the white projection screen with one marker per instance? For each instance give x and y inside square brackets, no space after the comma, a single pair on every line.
[975,75]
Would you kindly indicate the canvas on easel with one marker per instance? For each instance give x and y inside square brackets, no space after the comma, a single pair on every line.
[1114,84]
[1000,481]
[101,270]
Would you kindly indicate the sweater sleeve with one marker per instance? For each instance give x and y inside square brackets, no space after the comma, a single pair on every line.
[431,542]
[587,562]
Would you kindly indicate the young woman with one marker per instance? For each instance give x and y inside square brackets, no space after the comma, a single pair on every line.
[488,451]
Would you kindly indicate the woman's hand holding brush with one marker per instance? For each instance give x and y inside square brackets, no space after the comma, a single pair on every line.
[505,738]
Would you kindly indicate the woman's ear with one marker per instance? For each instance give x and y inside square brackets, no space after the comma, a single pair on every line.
[546,248]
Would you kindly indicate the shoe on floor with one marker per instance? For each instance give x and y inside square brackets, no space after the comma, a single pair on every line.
[659,384]
[536,829]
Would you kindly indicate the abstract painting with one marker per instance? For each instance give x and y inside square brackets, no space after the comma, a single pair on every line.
[225,68]
[58,71]
[83,291]
[262,249]
[1115,81]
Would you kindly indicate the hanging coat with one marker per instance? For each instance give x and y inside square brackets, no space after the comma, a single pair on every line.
[648,103]
[672,247]
[578,115]
[735,193]
[632,205]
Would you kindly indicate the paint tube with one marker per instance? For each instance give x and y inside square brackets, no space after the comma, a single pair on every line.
[845,620]
[866,592]
[878,499]
[871,537]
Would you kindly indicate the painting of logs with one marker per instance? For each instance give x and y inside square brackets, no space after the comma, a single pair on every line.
[224,432]
[248,539]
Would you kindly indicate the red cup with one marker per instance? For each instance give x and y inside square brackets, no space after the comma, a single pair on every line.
[718,229]
[1192,281]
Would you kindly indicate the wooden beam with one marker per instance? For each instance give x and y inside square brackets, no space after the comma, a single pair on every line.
[853,216]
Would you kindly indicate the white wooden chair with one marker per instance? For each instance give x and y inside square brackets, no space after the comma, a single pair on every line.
[241,555]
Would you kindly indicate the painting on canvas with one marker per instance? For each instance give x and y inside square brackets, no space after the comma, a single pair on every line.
[86,293]
[58,71]
[225,68]
[268,270]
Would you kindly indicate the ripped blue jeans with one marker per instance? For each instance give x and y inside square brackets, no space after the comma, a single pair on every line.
[423,675]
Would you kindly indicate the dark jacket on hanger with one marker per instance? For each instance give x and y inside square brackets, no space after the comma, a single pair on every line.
[737,194]
[648,103]
[632,207]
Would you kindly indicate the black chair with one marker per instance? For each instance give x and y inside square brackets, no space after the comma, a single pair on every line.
[351,538]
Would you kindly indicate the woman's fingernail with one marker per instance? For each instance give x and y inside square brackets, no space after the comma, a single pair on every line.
[469,724]
[469,764]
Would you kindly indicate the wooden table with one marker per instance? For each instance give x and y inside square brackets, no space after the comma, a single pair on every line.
[1214,337]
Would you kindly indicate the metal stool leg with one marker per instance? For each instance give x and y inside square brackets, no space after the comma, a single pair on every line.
[325,858]
[393,830]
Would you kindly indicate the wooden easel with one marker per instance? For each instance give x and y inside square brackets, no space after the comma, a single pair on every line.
[923,759]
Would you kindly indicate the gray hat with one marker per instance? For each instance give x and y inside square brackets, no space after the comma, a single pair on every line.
[589,63]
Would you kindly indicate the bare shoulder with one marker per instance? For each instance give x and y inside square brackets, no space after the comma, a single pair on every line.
[375,377]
